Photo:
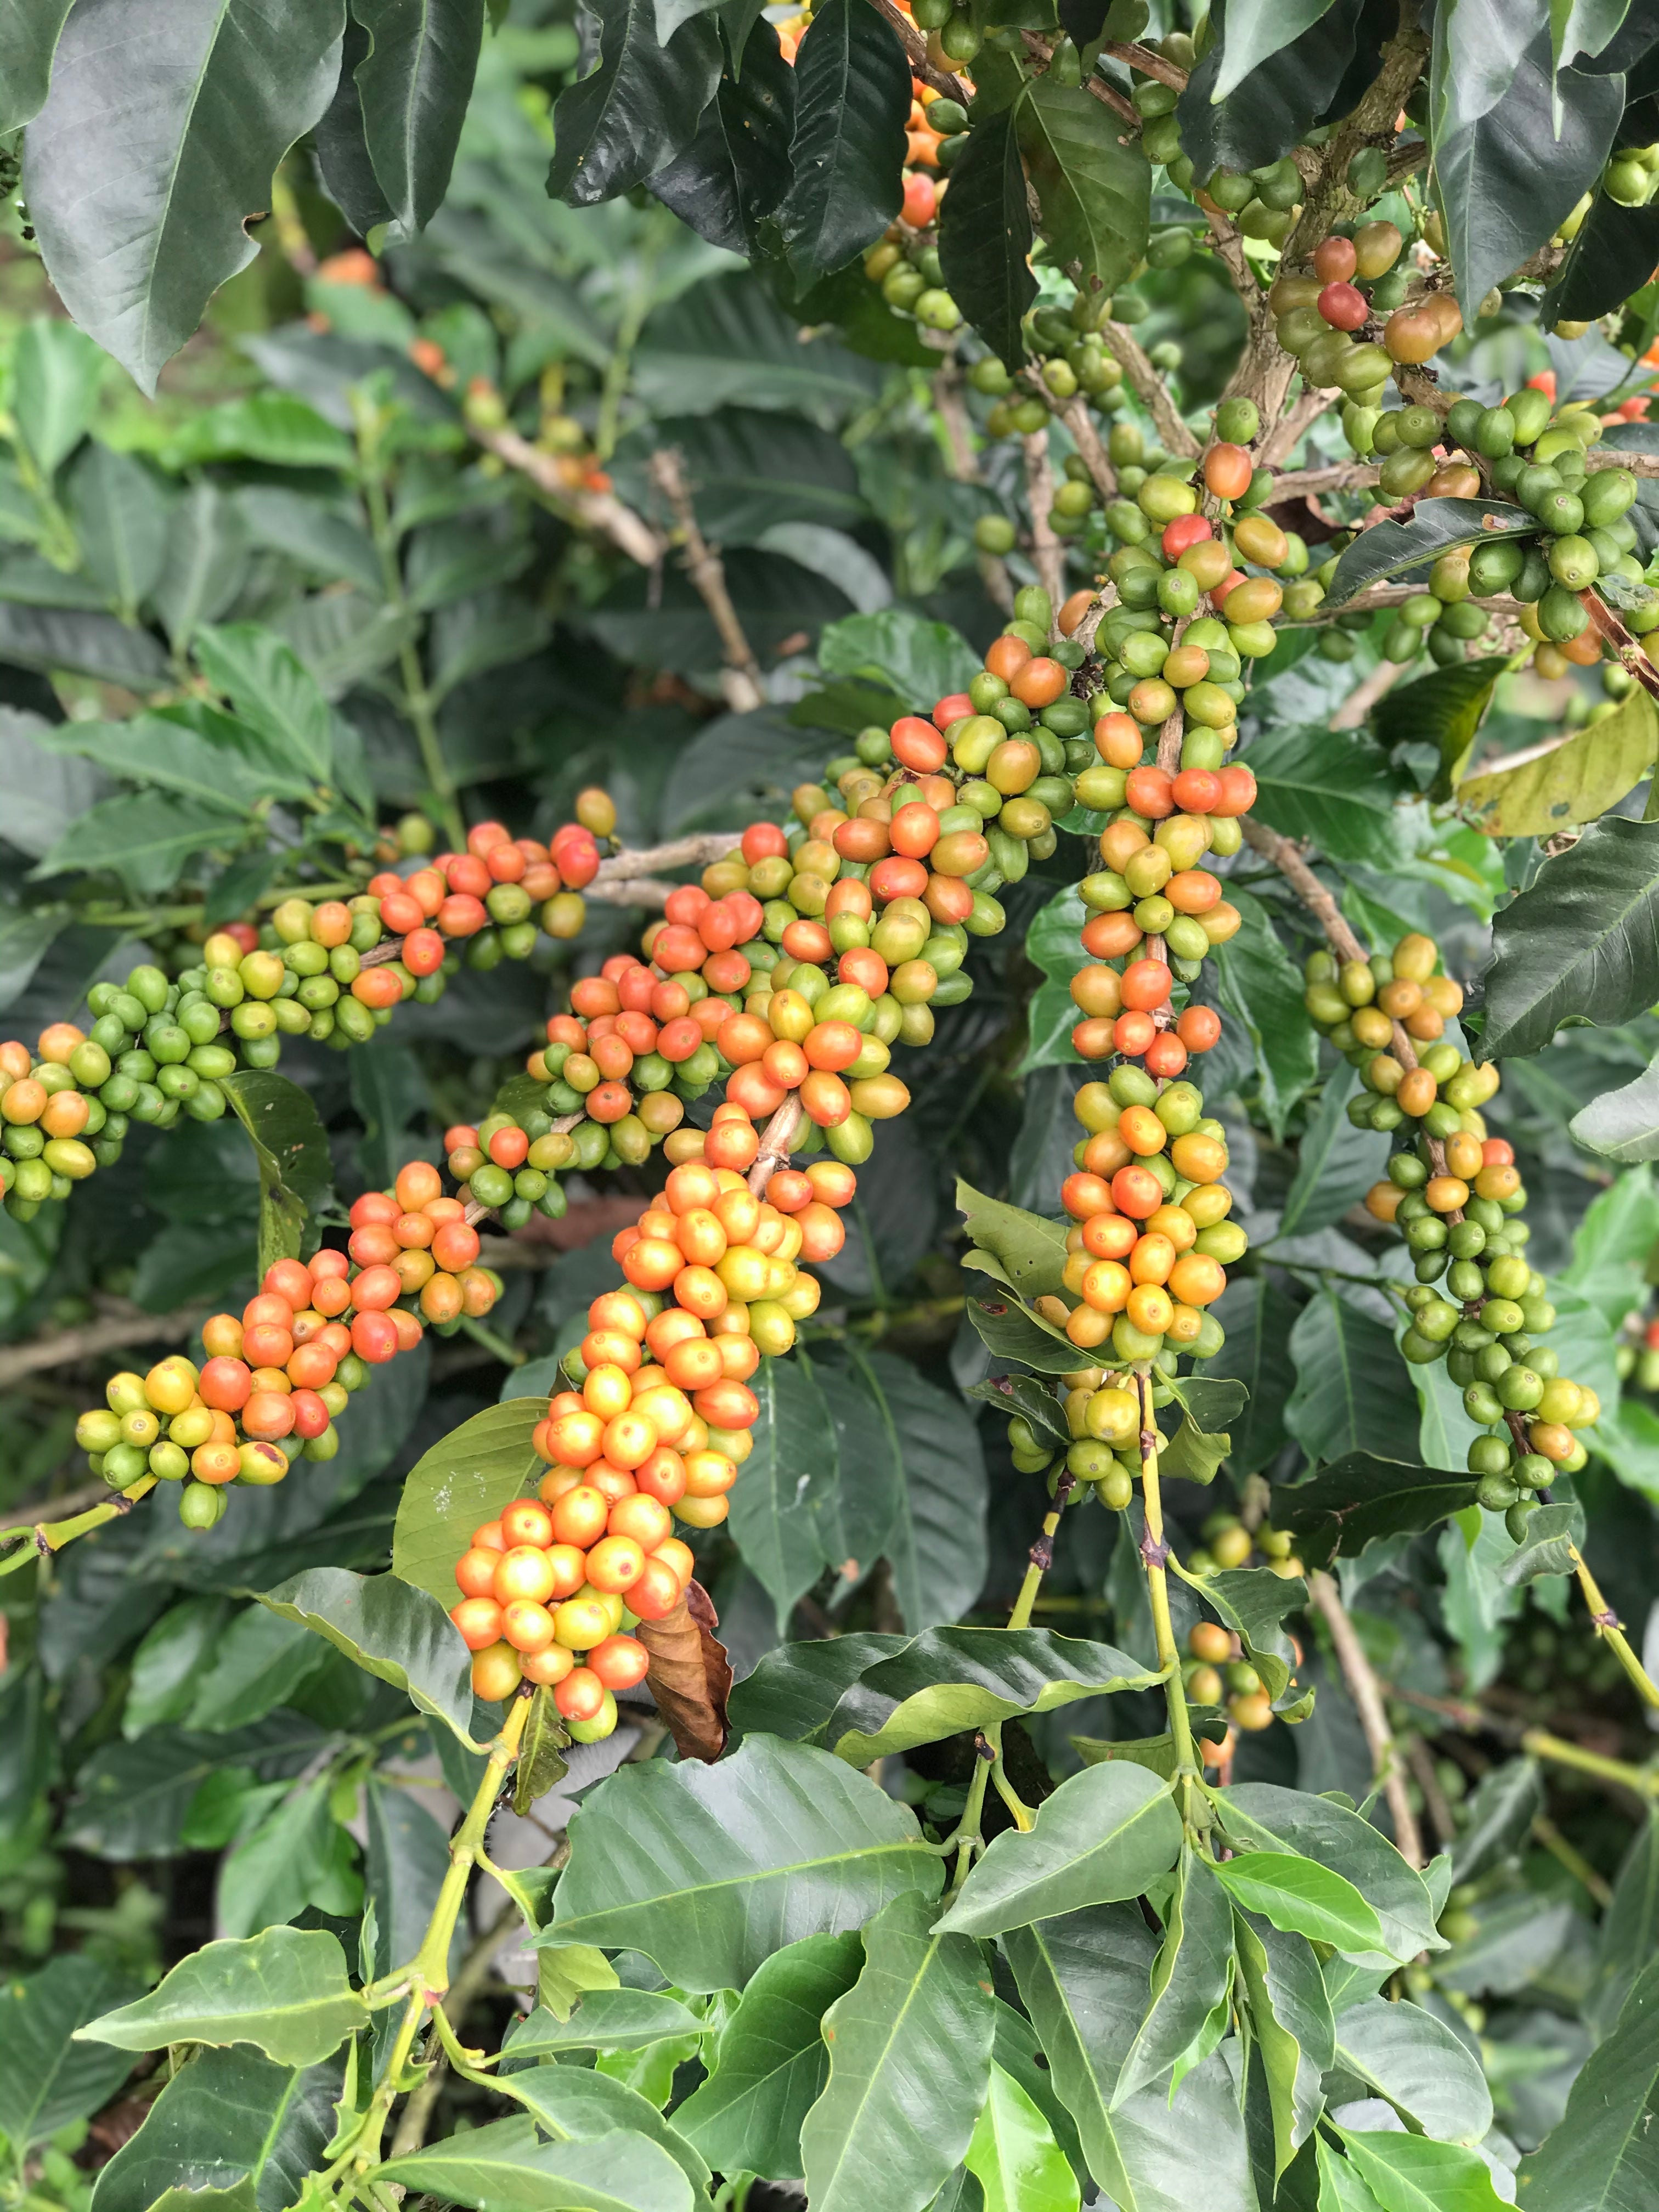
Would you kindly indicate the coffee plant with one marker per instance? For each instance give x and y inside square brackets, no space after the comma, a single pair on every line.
[828,925]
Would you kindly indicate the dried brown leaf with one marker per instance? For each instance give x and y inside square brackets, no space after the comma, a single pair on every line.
[690,1676]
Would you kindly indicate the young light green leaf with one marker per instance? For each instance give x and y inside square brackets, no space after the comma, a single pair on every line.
[1291,2017]
[1556,786]
[505,2166]
[400,1634]
[709,1870]
[606,2020]
[577,2104]
[1341,2189]
[1014,2156]
[465,1479]
[284,1990]
[154,145]
[909,2066]
[1303,1898]
[771,2062]
[1407,2055]
[1194,1963]
[1410,2174]
[949,1679]
[1104,1835]
[1266,1817]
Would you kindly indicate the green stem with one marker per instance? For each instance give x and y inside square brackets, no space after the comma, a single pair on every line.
[1607,1628]
[42,1536]
[428,1971]
[1643,1780]
[1155,1551]
[507,1353]
[417,701]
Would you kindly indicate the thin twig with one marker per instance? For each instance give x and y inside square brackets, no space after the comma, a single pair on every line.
[1149,62]
[1046,555]
[1435,1804]
[776,1139]
[600,511]
[743,684]
[1150,388]
[964,465]
[90,1338]
[474,1973]
[916,52]
[1367,1694]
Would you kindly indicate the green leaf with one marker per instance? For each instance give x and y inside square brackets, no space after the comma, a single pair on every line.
[1024,1395]
[1336,1163]
[1256,30]
[1445,709]
[1265,1817]
[313,534]
[709,1870]
[1258,1319]
[1545,1549]
[637,109]
[261,675]
[145,840]
[405,1862]
[465,1479]
[1409,2173]
[1436,526]
[1623,1124]
[771,2062]
[1252,1601]
[284,1991]
[1291,2017]
[1562,783]
[1604,2153]
[397,1633]
[949,1679]
[505,2166]
[1501,1813]
[275,427]
[1334,786]
[412,89]
[795,1687]
[1626,1940]
[164,1671]
[772,1520]
[851,105]
[1104,1835]
[910,2067]
[1053,944]
[99,646]
[1013,2154]
[1194,1965]
[1582,942]
[1505,178]
[48,2079]
[190,749]
[1012,1331]
[133,1799]
[1361,1497]
[936,1545]
[297,1855]
[728,181]
[28,34]
[225,2117]
[121,511]
[1302,1898]
[1032,1250]
[727,344]
[295,1171]
[985,237]
[541,1763]
[55,370]
[606,2020]
[1084,1979]
[1351,1394]
[205,561]
[139,184]
[258,1664]
[577,2104]
[1261,986]
[1092,179]
[921,661]
[1416,2062]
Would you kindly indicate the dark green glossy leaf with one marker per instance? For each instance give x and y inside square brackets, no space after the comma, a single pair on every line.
[396,1632]
[285,1991]
[1272,107]
[1393,549]
[950,1679]
[465,1479]
[1360,1497]
[796,1687]
[1351,1393]
[506,2167]
[730,179]
[259,1663]
[637,109]
[295,1171]
[1257,30]
[193,750]
[1332,786]
[205,561]
[771,2062]
[1084,1979]
[133,1799]
[154,145]
[405,1860]
[1267,1817]
[576,2103]
[1612,257]
[296,1854]
[910,2067]
[1105,1834]
[1626,1940]
[412,89]
[99,646]
[772,1520]
[1258,1318]
[852,104]
[226,2116]
[1092,179]
[259,674]
[1501,1813]
[709,1870]
[145,840]
[1444,709]
[1261,986]
[47,2078]
[936,1545]
[1012,1331]
[985,237]
[1582,941]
